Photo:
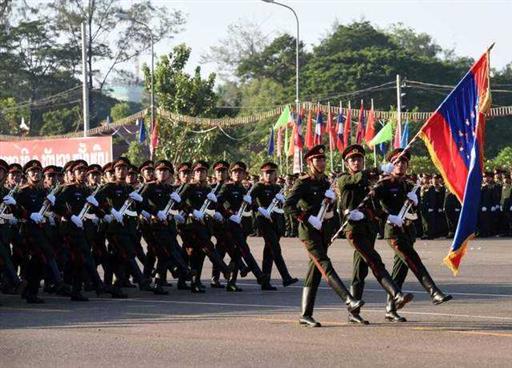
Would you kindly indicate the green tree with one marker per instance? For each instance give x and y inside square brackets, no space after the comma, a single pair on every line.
[120,110]
[60,121]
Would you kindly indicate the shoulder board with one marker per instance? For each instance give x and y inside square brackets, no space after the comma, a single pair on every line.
[304,177]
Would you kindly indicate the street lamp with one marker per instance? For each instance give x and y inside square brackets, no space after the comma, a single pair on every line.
[297,102]
[125,16]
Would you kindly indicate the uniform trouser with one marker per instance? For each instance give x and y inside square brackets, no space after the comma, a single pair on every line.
[7,265]
[82,260]
[407,258]
[320,266]
[484,223]
[272,250]
[95,237]
[150,258]
[452,217]
[220,247]
[168,251]
[236,237]
[196,239]
[123,244]
[365,256]
[41,257]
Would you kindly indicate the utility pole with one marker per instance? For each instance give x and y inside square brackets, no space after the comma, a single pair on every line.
[85,87]
[398,106]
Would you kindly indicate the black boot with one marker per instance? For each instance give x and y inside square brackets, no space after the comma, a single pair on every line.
[290,281]
[308,303]
[232,287]
[268,287]
[391,314]
[355,317]
[400,299]
[438,297]
[353,305]
[76,296]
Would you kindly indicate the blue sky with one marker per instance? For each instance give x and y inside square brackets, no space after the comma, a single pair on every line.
[467,26]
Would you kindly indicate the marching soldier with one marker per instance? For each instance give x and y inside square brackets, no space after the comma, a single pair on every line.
[195,233]
[390,194]
[310,193]
[361,232]
[270,225]
[232,197]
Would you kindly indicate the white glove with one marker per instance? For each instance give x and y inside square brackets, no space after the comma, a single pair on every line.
[430,210]
[13,221]
[51,220]
[484,209]
[76,220]
[510,209]
[51,198]
[457,210]
[217,216]
[264,212]
[329,194]
[212,197]
[162,216]
[145,214]
[387,168]
[247,199]
[440,210]
[36,217]
[493,208]
[179,219]
[175,197]
[413,197]
[92,201]
[395,220]
[117,215]
[198,215]
[235,218]
[108,218]
[9,200]
[95,220]
[280,197]
[135,196]
[315,222]
[355,215]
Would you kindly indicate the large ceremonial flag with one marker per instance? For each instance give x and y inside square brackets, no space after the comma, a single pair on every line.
[454,136]
[339,130]
[385,134]
[310,140]
[347,130]
[319,126]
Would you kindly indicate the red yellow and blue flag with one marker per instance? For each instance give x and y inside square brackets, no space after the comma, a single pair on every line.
[454,136]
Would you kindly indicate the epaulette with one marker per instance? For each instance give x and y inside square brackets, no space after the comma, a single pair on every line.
[304,177]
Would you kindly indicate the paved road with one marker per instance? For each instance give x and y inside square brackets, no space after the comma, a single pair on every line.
[259,329]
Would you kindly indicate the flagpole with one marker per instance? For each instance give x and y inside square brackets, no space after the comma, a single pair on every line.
[375,155]
[330,135]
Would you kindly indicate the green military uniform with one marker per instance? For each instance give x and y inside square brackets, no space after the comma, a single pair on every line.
[361,231]
[270,227]
[390,194]
[304,202]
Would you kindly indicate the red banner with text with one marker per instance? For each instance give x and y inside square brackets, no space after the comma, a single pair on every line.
[94,150]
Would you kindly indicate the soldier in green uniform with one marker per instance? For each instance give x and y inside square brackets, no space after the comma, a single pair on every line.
[309,194]
[361,231]
[390,194]
[270,225]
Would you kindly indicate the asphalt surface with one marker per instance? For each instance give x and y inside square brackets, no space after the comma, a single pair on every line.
[260,329]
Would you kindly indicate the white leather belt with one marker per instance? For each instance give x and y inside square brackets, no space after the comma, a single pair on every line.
[247,214]
[130,213]
[90,216]
[278,210]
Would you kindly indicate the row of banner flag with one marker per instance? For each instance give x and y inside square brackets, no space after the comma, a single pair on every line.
[336,129]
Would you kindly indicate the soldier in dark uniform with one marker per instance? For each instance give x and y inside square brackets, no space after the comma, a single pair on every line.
[452,208]
[505,205]
[361,232]
[30,199]
[220,171]
[270,225]
[69,203]
[195,233]
[430,209]
[390,194]
[486,203]
[290,222]
[310,193]
[162,225]
[232,197]
[121,230]
[184,170]
[496,212]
